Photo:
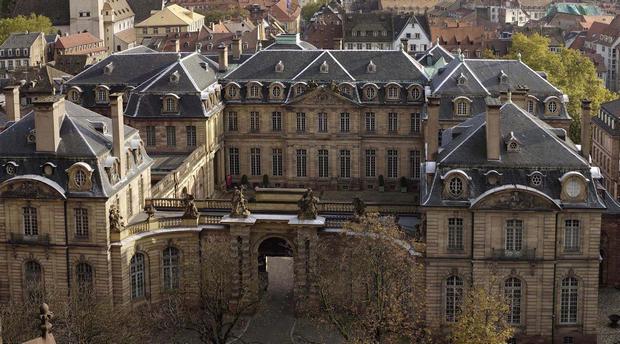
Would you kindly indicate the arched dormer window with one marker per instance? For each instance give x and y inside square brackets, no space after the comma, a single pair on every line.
[232,91]
[370,91]
[74,94]
[574,187]
[455,184]
[102,94]
[324,69]
[276,90]
[279,67]
[371,68]
[298,89]
[170,103]
[346,89]
[552,106]
[254,90]
[462,106]
[493,177]
[80,177]
[415,92]
[393,91]
[536,179]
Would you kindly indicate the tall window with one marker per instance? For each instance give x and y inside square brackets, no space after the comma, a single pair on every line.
[232,121]
[102,95]
[254,91]
[323,163]
[568,300]
[136,275]
[171,104]
[301,122]
[370,122]
[33,278]
[129,201]
[571,235]
[254,121]
[345,163]
[301,162]
[512,293]
[171,136]
[81,222]
[392,161]
[276,121]
[31,225]
[461,108]
[191,135]
[414,157]
[514,235]
[392,122]
[415,122]
[84,276]
[276,161]
[454,297]
[171,268]
[455,233]
[151,136]
[322,117]
[233,160]
[344,122]
[255,161]
[371,163]
[530,106]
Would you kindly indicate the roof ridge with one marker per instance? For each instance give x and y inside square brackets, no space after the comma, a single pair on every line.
[77,128]
[309,64]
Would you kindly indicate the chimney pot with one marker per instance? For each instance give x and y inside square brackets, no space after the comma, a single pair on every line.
[586,128]
[118,131]
[11,101]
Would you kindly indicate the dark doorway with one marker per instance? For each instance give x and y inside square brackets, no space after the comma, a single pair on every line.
[275,265]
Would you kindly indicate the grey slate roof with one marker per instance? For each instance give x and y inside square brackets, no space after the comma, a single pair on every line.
[20,40]
[433,54]
[80,141]
[540,150]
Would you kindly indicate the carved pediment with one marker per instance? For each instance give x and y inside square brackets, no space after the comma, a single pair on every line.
[321,96]
[28,189]
[514,199]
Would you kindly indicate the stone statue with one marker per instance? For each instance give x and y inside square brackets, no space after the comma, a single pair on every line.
[116,220]
[149,209]
[308,209]
[239,207]
[359,209]
[45,317]
[191,212]
[334,87]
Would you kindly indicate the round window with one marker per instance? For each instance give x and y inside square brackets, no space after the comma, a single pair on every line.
[370,92]
[536,180]
[79,178]
[276,91]
[10,169]
[573,188]
[455,187]
[513,146]
[232,91]
[415,93]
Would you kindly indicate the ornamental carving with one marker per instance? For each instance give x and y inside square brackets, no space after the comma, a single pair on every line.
[514,200]
[359,209]
[308,206]
[80,177]
[239,206]
[191,211]
[28,189]
[116,220]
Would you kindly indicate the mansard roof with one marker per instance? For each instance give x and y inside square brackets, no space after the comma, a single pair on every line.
[349,65]
[82,139]
[435,52]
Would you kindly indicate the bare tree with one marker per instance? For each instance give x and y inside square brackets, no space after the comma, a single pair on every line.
[208,308]
[370,284]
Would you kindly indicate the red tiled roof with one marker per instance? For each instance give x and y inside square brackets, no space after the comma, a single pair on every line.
[283,13]
[75,40]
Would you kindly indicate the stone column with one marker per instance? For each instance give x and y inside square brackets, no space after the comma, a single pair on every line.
[305,289]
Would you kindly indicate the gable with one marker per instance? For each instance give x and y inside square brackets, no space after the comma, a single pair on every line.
[323,96]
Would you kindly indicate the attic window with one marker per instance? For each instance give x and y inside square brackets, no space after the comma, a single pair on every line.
[371,68]
[461,79]
[175,76]
[171,103]
[536,179]
[32,136]
[10,168]
[512,143]
[324,67]
[552,107]
[279,67]
[108,69]
[48,168]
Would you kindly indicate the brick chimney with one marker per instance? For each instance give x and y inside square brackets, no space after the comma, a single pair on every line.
[49,113]
[223,57]
[11,101]
[118,131]
[586,128]
[432,128]
[177,45]
[493,128]
[237,48]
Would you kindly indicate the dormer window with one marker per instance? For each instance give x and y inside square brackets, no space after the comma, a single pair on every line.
[415,92]
[455,184]
[175,77]
[345,89]
[298,89]
[574,187]
[462,106]
[254,90]
[455,187]
[10,168]
[371,68]
[232,91]
[324,67]
[512,143]
[276,90]
[552,106]
[80,177]
[536,179]
[461,79]
[279,67]
[171,103]
[393,92]
[102,93]
[370,92]
[493,177]
[74,94]
[108,69]
[48,169]
[531,105]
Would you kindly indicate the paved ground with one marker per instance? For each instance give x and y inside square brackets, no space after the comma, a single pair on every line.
[609,303]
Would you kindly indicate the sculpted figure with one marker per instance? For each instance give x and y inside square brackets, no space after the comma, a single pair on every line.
[359,208]
[239,207]
[116,220]
[308,209]
[191,212]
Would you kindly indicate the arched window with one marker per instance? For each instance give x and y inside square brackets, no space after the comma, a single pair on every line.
[84,277]
[171,268]
[101,95]
[568,300]
[231,91]
[454,297]
[552,106]
[33,280]
[513,292]
[254,91]
[370,92]
[455,187]
[137,267]
[170,104]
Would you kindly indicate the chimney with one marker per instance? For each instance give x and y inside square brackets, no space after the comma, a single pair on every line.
[404,45]
[586,128]
[337,43]
[223,58]
[237,49]
[49,113]
[432,128]
[118,131]
[11,101]
[177,45]
[493,128]
[519,96]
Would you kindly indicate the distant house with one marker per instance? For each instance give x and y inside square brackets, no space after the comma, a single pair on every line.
[385,31]
[286,14]
[74,52]
[22,50]
[171,19]
[325,27]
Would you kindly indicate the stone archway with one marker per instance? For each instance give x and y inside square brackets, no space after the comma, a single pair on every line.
[275,270]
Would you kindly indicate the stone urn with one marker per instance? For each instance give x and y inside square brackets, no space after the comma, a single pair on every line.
[614,318]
